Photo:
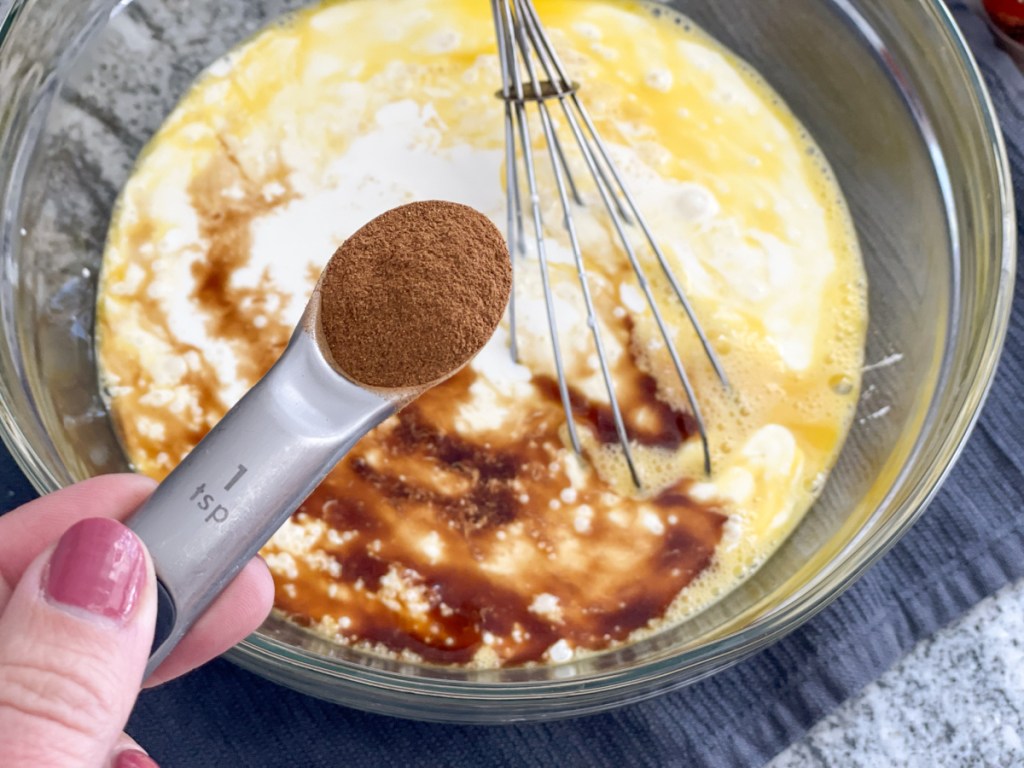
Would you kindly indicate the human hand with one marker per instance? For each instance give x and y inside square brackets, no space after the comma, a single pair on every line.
[77,615]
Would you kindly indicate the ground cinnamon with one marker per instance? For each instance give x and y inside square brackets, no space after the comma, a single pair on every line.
[414,294]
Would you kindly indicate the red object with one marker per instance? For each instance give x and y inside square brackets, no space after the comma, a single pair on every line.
[133,758]
[1008,16]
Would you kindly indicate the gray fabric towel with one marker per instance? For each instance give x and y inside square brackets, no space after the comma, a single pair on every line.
[969,543]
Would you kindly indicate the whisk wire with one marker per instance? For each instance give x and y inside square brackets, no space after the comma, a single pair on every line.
[519,27]
[559,167]
[553,137]
[645,287]
[514,219]
[613,204]
[519,108]
[558,74]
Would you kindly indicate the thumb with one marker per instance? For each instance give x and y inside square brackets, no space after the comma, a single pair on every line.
[74,639]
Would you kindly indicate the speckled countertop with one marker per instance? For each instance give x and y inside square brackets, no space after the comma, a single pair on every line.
[957,699]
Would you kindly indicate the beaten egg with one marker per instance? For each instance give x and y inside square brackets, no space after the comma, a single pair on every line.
[465,530]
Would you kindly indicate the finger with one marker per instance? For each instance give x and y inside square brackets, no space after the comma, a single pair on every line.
[128,754]
[5,593]
[235,614]
[134,758]
[29,529]
[74,639]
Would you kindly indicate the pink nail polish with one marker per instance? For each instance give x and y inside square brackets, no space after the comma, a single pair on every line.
[98,567]
[133,758]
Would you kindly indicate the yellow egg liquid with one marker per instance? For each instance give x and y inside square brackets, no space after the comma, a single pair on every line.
[465,530]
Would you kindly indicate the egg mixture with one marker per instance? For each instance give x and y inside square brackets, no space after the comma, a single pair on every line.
[464,530]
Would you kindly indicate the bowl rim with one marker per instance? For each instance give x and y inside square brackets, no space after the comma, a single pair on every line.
[466,700]
[825,587]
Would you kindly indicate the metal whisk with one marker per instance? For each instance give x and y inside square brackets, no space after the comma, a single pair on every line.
[532,73]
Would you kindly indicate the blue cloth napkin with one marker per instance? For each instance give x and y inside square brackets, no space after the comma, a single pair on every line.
[969,543]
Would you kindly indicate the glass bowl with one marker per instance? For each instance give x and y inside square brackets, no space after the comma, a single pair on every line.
[894,99]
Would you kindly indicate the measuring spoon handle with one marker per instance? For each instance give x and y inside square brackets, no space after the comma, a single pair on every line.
[214,512]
